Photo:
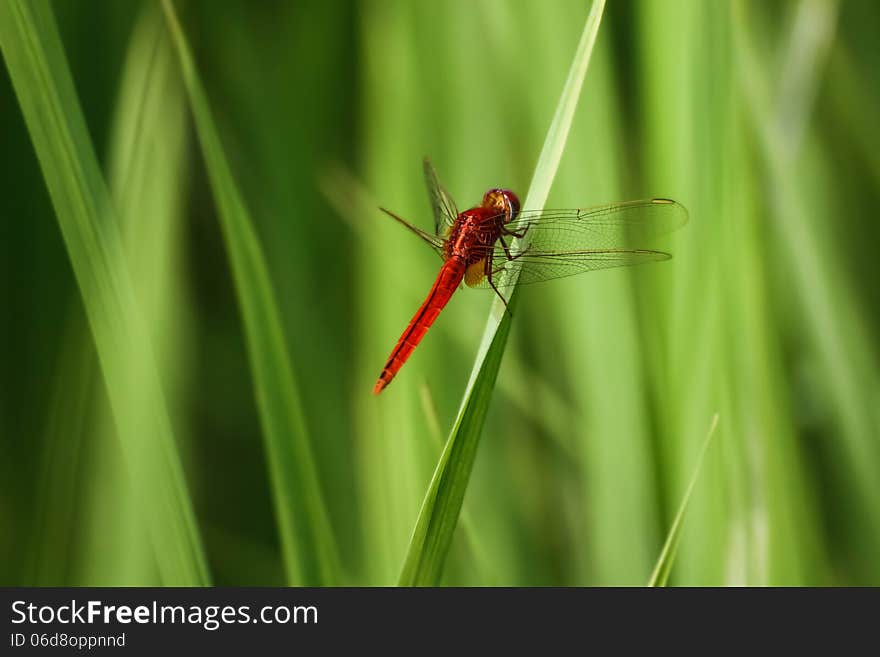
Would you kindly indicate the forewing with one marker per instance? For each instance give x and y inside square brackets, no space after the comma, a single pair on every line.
[633,224]
[442,204]
[566,242]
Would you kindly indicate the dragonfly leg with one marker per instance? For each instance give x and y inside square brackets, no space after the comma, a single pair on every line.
[518,234]
[489,272]
[507,249]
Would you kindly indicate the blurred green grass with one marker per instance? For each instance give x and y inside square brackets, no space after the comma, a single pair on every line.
[758,117]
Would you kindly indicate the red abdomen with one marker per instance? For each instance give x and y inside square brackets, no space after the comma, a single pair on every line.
[448,279]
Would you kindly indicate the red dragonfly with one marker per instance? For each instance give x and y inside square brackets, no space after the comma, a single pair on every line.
[477,247]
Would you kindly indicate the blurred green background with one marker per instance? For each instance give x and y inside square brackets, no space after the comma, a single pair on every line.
[761,118]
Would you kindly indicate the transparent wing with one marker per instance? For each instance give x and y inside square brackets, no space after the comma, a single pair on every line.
[566,242]
[442,204]
[631,224]
[536,269]
[433,241]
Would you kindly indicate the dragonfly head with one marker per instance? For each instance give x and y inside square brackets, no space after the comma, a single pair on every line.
[504,202]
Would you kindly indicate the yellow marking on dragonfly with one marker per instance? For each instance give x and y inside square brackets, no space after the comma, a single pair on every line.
[475,273]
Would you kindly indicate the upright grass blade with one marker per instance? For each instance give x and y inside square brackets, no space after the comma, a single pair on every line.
[307,542]
[441,506]
[147,166]
[146,170]
[834,322]
[38,68]
[54,521]
[667,555]
[469,530]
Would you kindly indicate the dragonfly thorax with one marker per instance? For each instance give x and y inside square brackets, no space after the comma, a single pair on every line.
[503,201]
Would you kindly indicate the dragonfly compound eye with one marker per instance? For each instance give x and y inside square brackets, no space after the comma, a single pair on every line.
[504,202]
[513,202]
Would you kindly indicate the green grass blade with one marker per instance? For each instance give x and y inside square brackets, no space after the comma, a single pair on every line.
[471,537]
[832,318]
[38,68]
[441,506]
[667,555]
[55,526]
[307,543]
[147,166]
